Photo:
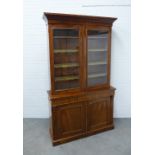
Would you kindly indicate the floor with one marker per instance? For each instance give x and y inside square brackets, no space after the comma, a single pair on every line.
[114,142]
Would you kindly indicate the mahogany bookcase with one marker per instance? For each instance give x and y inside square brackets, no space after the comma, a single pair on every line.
[81,96]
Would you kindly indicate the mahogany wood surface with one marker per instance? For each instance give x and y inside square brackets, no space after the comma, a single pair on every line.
[78,18]
[77,109]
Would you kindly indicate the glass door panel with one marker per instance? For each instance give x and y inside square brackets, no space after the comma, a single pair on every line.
[97,46]
[66,58]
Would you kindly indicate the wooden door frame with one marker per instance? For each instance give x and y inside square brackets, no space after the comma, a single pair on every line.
[51,27]
[98,27]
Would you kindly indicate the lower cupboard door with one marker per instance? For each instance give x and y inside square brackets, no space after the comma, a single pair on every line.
[97,114]
[69,120]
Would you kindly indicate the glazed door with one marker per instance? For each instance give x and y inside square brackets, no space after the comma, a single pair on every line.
[98,56]
[66,55]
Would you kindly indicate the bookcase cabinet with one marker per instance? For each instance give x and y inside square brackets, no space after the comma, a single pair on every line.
[81,95]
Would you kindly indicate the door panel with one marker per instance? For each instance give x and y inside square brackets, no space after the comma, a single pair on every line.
[69,120]
[97,113]
[66,53]
[97,40]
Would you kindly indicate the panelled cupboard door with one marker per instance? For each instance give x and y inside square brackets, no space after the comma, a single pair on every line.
[66,53]
[98,115]
[69,120]
[98,55]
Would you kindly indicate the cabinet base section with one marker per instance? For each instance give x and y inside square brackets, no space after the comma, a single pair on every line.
[78,136]
[81,115]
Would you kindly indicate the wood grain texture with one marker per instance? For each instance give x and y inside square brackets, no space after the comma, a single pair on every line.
[70,120]
[78,18]
[97,111]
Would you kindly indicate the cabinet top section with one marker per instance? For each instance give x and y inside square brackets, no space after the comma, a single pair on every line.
[57,17]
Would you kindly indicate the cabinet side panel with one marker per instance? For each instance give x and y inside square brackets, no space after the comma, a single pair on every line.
[51,57]
[110,110]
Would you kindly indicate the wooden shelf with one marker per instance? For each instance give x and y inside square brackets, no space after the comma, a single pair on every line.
[97,50]
[66,50]
[97,63]
[65,37]
[66,78]
[96,37]
[66,65]
[97,75]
